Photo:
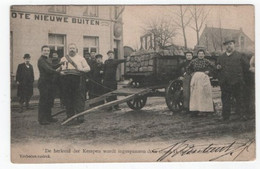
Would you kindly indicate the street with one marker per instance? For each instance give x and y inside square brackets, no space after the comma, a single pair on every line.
[154,123]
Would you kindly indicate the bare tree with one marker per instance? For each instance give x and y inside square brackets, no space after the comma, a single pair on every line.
[162,30]
[182,21]
[199,16]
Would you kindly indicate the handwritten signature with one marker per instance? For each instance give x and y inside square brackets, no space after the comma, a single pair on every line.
[183,148]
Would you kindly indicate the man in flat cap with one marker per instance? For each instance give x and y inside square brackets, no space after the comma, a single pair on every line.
[24,80]
[231,68]
[110,83]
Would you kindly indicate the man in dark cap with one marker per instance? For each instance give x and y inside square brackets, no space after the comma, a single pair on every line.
[110,83]
[24,80]
[231,68]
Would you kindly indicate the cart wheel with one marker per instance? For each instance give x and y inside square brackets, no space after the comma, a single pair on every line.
[174,96]
[137,103]
[135,84]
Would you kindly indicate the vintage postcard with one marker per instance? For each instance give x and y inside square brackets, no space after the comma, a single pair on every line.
[132,83]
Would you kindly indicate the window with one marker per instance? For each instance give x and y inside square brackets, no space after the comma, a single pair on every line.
[91,44]
[57,9]
[57,42]
[242,42]
[91,11]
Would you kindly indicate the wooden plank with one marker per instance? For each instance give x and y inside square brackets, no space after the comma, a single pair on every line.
[118,92]
[100,98]
[107,105]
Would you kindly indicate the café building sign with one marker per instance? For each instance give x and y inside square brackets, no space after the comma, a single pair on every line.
[54,18]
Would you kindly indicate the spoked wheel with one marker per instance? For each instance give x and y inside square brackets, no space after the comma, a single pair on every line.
[135,84]
[174,96]
[137,103]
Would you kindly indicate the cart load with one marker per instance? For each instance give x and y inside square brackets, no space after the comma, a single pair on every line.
[149,67]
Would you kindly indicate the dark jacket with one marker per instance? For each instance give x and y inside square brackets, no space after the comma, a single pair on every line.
[110,67]
[91,62]
[97,76]
[183,67]
[233,68]
[47,70]
[25,77]
[97,87]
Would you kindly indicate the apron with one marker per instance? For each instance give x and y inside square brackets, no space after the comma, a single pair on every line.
[200,93]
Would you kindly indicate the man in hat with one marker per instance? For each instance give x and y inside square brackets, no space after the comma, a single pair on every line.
[186,78]
[47,71]
[231,67]
[24,80]
[110,83]
[73,70]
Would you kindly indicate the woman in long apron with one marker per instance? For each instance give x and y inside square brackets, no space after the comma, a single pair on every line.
[200,87]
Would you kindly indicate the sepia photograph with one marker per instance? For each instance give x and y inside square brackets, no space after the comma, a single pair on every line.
[132,83]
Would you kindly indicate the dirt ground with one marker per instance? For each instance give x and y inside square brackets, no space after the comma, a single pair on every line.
[154,123]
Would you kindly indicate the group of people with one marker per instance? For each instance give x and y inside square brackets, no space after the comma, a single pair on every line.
[78,78]
[73,75]
[231,68]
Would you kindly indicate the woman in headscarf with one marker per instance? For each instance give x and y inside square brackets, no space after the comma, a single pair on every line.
[200,87]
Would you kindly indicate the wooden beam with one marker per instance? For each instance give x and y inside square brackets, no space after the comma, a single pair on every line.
[100,98]
[107,105]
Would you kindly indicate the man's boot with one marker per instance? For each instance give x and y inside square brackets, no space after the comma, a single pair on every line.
[28,106]
[21,108]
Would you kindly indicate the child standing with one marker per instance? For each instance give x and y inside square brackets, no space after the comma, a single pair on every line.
[98,70]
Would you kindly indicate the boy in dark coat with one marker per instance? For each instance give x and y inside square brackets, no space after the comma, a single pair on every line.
[25,79]
[110,83]
[98,71]
[97,78]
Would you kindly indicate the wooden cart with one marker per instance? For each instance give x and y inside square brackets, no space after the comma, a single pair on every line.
[161,72]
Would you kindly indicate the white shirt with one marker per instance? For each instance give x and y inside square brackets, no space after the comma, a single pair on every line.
[78,60]
[229,53]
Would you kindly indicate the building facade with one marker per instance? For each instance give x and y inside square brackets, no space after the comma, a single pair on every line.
[212,39]
[92,28]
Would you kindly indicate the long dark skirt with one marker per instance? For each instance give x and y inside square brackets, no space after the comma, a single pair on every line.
[186,91]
